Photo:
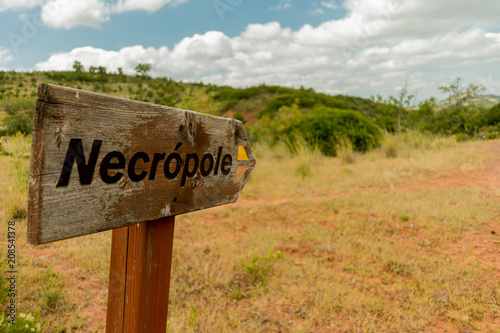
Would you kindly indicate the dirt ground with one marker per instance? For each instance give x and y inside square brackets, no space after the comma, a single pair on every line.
[488,252]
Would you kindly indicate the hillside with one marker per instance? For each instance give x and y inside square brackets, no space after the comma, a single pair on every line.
[245,104]
[270,113]
[478,100]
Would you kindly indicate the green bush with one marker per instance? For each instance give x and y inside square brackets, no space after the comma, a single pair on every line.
[307,99]
[255,274]
[18,105]
[327,127]
[22,123]
[239,116]
[20,111]
[465,122]
[493,115]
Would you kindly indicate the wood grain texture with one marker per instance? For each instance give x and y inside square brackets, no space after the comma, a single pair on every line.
[128,127]
[141,261]
[117,281]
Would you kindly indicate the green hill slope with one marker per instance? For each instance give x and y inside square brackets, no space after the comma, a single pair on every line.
[247,104]
[485,101]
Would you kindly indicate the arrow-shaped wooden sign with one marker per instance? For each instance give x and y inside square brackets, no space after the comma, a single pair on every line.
[101,163]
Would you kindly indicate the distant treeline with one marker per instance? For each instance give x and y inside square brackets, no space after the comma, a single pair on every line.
[270,113]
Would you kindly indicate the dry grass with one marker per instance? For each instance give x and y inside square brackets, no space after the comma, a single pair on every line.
[343,247]
[3,114]
[14,173]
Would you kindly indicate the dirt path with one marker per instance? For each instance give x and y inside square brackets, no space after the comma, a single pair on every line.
[483,246]
[92,293]
[487,177]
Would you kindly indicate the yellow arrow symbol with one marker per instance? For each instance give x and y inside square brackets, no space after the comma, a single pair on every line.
[241,168]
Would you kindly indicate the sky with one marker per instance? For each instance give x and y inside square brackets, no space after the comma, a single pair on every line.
[353,47]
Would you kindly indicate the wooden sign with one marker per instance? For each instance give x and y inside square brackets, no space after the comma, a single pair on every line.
[101,162]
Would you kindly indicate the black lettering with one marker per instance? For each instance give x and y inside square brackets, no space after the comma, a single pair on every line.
[116,161]
[156,159]
[226,161]
[106,165]
[219,153]
[186,173]
[85,170]
[131,166]
[210,158]
[166,167]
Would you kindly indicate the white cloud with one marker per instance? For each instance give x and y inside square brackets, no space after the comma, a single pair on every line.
[282,5]
[493,36]
[19,4]
[68,14]
[147,5]
[5,56]
[372,49]
[330,5]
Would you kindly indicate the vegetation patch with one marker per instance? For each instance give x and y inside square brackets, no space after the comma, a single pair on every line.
[399,238]
[328,127]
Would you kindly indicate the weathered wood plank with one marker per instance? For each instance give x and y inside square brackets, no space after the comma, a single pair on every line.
[70,196]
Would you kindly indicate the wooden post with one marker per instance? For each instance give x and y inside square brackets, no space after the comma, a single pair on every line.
[163,162]
[139,278]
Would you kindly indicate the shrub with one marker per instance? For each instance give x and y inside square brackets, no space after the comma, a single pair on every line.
[20,111]
[22,123]
[305,99]
[254,274]
[493,115]
[239,116]
[323,126]
[18,105]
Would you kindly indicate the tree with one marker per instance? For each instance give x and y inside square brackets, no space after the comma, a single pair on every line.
[458,94]
[386,114]
[143,69]
[402,103]
[493,115]
[120,71]
[459,117]
[78,67]
[92,69]
[423,117]
[282,126]
[101,70]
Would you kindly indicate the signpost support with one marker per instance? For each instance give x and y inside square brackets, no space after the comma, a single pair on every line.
[101,163]
[139,279]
